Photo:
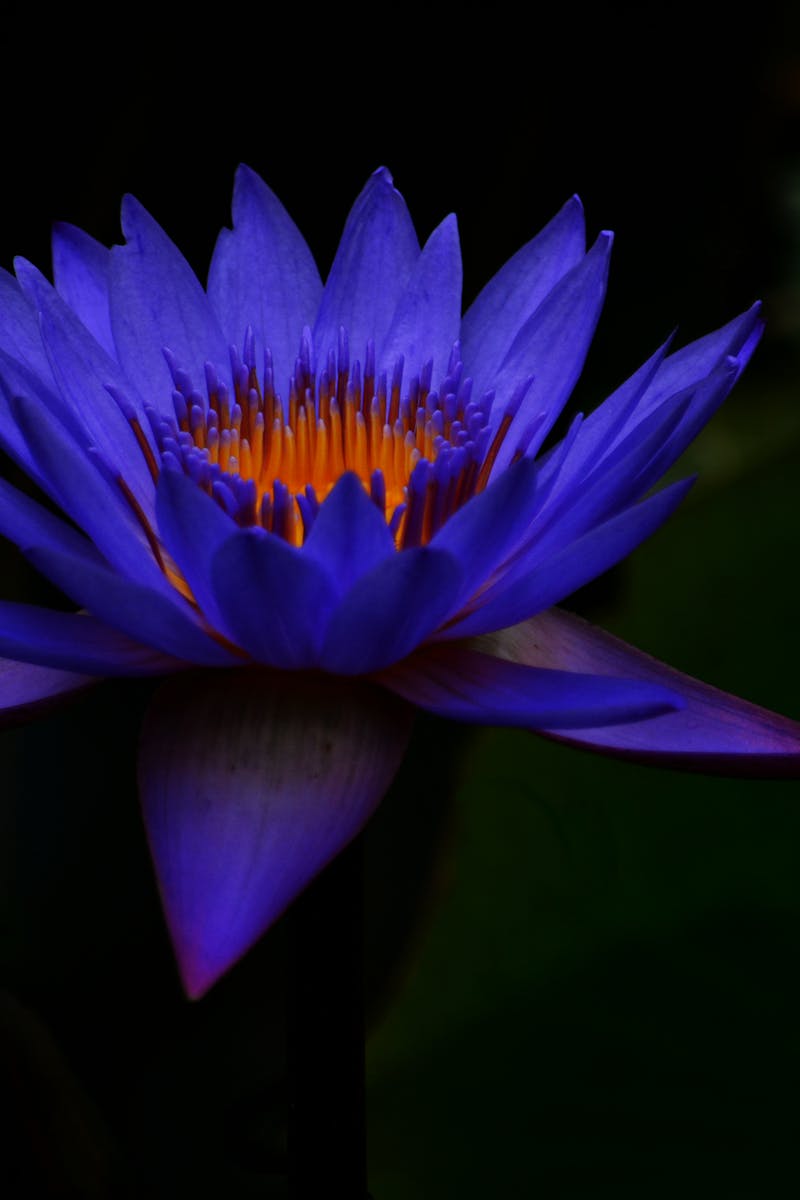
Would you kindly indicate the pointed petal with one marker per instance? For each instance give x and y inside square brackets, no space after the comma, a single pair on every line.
[493,320]
[81,272]
[465,685]
[391,611]
[251,782]
[26,523]
[552,347]
[157,302]
[275,600]
[74,642]
[372,266]
[550,581]
[26,691]
[262,274]
[714,731]
[428,316]
[349,536]
[143,614]
[20,338]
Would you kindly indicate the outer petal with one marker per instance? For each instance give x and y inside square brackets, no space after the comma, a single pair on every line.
[74,642]
[251,782]
[81,270]
[493,320]
[262,274]
[372,266]
[157,302]
[714,731]
[428,316]
[27,690]
[466,685]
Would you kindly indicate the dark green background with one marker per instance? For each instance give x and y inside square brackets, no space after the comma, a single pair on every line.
[583,975]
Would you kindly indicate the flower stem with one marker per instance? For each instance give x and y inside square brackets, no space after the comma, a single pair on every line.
[327,1125]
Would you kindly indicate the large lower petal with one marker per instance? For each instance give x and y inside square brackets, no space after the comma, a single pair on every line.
[464,684]
[714,731]
[251,782]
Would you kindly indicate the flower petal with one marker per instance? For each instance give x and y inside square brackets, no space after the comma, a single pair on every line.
[465,685]
[349,536]
[81,273]
[551,346]
[273,598]
[374,261]
[262,274]
[156,303]
[391,611]
[519,596]
[251,782]
[27,690]
[26,523]
[493,320]
[154,619]
[74,642]
[427,320]
[714,731]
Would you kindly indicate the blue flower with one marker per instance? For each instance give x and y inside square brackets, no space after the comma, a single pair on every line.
[315,508]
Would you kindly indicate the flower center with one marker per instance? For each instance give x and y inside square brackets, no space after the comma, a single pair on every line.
[419,453]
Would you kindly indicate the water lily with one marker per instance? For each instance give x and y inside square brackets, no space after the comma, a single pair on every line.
[315,509]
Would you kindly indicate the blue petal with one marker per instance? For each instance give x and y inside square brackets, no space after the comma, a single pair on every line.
[20,338]
[83,372]
[193,527]
[465,685]
[273,597]
[81,275]
[509,299]
[713,731]
[428,316]
[73,642]
[372,266]
[27,690]
[74,482]
[552,347]
[391,611]
[26,523]
[262,274]
[489,528]
[140,612]
[251,782]
[157,302]
[566,571]
[349,536]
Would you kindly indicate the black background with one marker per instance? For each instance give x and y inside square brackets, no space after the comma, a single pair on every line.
[582,975]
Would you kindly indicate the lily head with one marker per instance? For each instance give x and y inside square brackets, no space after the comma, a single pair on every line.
[317,508]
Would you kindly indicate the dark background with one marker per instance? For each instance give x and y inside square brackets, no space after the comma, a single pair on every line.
[583,975]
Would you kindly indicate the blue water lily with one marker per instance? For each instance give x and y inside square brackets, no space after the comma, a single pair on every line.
[316,508]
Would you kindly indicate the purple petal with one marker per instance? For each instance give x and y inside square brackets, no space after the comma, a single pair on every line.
[372,266]
[493,320]
[273,597]
[520,596]
[73,480]
[262,274]
[157,620]
[349,536]
[391,611]
[26,523]
[465,685]
[157,302]
[192,526]
[81,273]
[427,320]
[714,731]
[251,782]
[486,531]
[74,642]
[552,347]
[20,338]
[83,371]
[26,691]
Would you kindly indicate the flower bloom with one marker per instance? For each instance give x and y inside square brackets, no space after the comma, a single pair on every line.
[315,508]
